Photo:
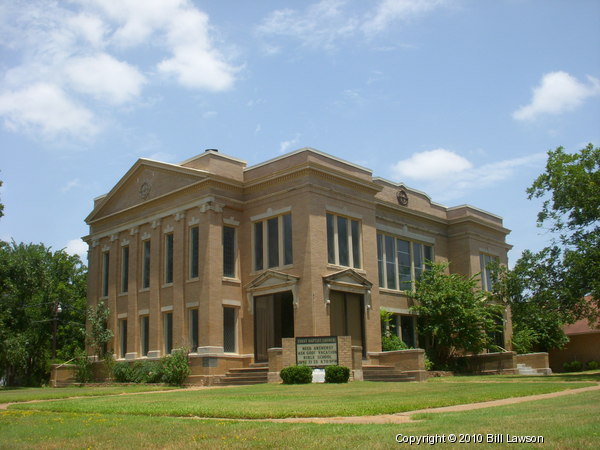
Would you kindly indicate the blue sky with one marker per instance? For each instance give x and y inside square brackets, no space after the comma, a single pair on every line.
[458,98]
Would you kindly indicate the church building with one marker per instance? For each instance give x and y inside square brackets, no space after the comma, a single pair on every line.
[227,260]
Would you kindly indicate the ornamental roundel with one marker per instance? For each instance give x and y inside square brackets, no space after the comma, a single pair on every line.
[144,190]
[402,197]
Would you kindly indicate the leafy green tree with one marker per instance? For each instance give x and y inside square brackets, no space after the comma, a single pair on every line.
[1,205]
[454,314]
[42,310]
[98,334]
[570,187]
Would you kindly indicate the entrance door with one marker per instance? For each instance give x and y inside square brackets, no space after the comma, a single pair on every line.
[346,317]
[273,320]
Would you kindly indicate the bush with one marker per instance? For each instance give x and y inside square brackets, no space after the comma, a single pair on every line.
[573,366]
[523,341]
[337,374]
[83,367]
[593,365]
[122,372]
[296,375]
[390,342]
[175,367]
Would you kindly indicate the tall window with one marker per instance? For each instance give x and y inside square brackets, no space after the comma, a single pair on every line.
[487,280]
[229,330]
[193,328]
[105,263]
[169,258]
[168,332]
[146,265]
[273,242]
[343,241]
[194,252]
[229,252]
[122,337]
[144,335]
[401,262]
[125,270]
[402,326]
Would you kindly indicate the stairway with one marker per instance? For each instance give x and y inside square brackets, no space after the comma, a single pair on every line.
[523,369]
[384,373]
[255,374]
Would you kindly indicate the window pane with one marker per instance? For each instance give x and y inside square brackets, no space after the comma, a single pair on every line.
[168,258]
[228,251]
[168,318]
[390,263]
[418,260]
[194,252]
[145,336]
[428,255]
[342,230]
[146,266]
[330,243]
[258,246]
[288,254]
[355,243]
[380,260]
[273,241]
[408,330]
[193,330]
[125,270]
[123,337]
[403,249]
[229,330]
[105,262]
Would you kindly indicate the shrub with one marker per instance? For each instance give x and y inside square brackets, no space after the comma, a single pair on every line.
[122,372]
[523,341]
[175,367]
[573,366]
[296,375]
[83,367]
[428,363]
[337,374]
[390,342]
[593,365]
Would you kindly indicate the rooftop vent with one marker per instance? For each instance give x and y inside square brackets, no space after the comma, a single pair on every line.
[211,150]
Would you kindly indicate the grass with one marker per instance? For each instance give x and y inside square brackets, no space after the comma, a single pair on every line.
[591,375]
[565,422]
[9,395]
[314,400]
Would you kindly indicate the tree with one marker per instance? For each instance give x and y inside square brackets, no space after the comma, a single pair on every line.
[42,307]
[98,334]
[1,205]
[546,289]
[454,314]
[573,183]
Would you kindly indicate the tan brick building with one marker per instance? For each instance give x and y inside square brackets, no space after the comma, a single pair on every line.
[227,260]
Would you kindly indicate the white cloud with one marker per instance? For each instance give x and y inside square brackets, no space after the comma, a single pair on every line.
[75,183]
[389,11]
[285,146]
[320,25]
[77,247]
[431,165]
[557,93]
[68,49]
[46,108]
[326,22]
[447,175]
[104,78]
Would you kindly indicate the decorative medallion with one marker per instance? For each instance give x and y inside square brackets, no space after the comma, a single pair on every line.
[144,190]
[402,197]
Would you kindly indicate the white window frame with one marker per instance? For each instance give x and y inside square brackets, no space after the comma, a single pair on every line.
[336,249]
[264,223]
[485,274]
[382,272]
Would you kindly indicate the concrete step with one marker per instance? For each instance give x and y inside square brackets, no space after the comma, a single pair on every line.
[384,373]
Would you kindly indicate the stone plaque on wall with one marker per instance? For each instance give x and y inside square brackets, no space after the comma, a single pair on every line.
[317,351]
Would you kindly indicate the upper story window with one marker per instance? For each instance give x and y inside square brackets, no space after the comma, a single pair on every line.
[125,269]
[343,241]
[273,242]
[146,264]
[487,279]
[194,252]
[400,262]
[229,252]
[169,258]
[105,267]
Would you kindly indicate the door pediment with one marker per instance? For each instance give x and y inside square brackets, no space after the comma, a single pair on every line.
[270,282]
[347,280]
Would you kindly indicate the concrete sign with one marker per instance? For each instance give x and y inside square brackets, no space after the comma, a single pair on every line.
[319,351]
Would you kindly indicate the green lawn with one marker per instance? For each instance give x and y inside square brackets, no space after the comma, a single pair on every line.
[321,400]
[565,422]
[8,395]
